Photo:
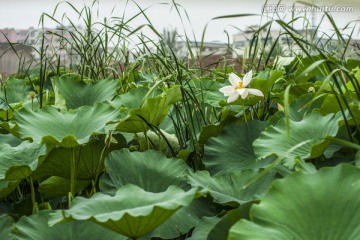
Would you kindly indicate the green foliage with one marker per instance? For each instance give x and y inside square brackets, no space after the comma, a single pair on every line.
[131,140]
[14,91]
[67,129]
[315,208]
[151,113]
[6,225]
[153,172]
[132,211]
[149,170]
[77,93]
[19,162]
[302,139]
[36,227]
[232,188]
[227,152]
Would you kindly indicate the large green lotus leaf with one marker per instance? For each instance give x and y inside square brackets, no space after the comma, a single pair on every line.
[299,108]
[207,90]
[67,129]
[215,228]
[284,63]
[315,74]
[132,211]
[304,105]
[150,170]
[10,139]
[6,226]
[355,109]
[6,187]
[16,90]
[167,124]
[57,187]
[77,93]
[353,85]
[307,138]
[9,128]
[232,188]
[265,81]
[232,150]
[153,172]
[202,230]
[6,112]
[153,112]
[221,229]
[37,227]
[19,162]
[226,117]
[352,64]
[324,205]
[164,142]
[331,104]
[132,99]
[185,219]
[87,159]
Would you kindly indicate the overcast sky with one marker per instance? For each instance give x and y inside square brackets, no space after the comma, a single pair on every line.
[26,13]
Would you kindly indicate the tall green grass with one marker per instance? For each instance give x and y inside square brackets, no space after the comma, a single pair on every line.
[113,48]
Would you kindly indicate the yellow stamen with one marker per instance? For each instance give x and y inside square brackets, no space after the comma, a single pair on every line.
[241,85]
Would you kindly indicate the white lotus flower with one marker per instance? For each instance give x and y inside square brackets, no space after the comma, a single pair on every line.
[238,88]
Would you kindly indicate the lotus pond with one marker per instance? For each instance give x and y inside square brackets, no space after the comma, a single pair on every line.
[164,150]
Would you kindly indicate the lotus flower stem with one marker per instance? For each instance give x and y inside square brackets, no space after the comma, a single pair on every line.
[21,197]
[102,159]
[244,113]
[98,168]
[72,175]
[32,191]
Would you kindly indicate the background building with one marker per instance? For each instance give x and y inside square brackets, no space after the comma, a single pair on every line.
[14,58]
[53,43]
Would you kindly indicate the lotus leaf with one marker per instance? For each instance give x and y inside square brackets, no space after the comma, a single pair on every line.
[19,162]
[153,112]
[221,229]
[208,90]
[6,226]
[67,129]
[77,93]
[307,72]
[6,187]
[307,138]
[150,170]
[132,99]
[16,91]
[232,187]
[202,230]
[10,139]
[232,150]
[132,211]
[87,159]
[158,141]
[58,187]
[37,227]
[216,228]
[323,205]
[185,219]
[153,172]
